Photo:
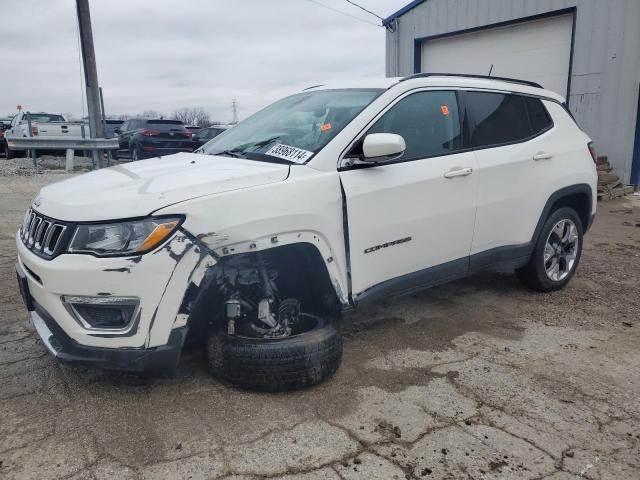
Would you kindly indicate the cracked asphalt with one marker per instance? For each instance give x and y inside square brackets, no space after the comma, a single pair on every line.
[479,379]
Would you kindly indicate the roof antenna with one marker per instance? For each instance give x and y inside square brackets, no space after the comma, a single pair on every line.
[490,70]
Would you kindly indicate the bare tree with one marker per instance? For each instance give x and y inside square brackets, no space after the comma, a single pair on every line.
[151,114]
[192,116]
[201,118]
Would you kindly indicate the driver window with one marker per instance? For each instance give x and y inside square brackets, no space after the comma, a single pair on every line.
[429,122]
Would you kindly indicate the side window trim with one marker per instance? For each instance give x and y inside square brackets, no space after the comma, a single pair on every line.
[389,106]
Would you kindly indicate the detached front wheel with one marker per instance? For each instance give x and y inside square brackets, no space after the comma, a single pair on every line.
[301,360]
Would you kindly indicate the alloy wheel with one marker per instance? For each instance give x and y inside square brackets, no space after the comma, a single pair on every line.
[561,250]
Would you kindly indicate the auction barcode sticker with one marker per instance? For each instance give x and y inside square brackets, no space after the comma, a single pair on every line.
[287,152]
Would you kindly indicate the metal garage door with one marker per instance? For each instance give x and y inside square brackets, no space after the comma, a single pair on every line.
[538,50]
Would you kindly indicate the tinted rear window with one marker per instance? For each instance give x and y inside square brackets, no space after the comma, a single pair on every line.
[497,118]
[538,115]
[164,122]
[166,125]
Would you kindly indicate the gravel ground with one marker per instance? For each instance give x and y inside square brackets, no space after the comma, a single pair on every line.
[479,379]
[44,164]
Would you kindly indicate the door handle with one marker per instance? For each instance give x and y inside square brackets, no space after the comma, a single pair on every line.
[542,156]
[458,172]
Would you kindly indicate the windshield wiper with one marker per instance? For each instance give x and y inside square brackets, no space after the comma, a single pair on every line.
[259,144]
[229,153]
[242,149]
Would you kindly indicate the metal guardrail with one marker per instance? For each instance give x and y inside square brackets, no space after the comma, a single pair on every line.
[70,144]
[61,143]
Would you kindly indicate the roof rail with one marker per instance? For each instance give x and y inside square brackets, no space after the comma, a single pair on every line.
[470,75]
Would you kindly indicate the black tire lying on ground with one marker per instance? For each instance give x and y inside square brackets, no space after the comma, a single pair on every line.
[276,364]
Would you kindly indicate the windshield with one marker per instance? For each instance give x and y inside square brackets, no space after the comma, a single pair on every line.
[291,130]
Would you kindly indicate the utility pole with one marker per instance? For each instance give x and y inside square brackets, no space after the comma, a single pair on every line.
[90,76]
[234,106]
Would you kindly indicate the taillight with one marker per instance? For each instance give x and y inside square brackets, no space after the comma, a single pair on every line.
[150,133]
[592,151]
[34,130]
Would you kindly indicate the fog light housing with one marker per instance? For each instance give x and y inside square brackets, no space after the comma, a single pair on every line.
[105,314]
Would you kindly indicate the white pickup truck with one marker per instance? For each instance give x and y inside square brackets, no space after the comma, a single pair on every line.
[322,202]
[42,125]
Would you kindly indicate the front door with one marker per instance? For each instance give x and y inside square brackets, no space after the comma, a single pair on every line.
[411,222]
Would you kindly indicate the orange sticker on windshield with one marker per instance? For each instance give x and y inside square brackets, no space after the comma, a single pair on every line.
[325,127]
[444,109]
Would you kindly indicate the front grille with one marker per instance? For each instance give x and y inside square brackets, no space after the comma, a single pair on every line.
[44,236]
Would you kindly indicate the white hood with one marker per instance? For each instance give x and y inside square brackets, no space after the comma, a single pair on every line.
[139,188]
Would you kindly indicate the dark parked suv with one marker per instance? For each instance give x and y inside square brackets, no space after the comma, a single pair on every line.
[144,138]
[202,136]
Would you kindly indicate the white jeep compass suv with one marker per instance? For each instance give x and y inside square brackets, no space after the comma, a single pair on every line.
[324,201]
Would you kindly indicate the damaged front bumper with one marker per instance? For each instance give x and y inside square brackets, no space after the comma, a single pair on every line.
[158,280]
[162,359]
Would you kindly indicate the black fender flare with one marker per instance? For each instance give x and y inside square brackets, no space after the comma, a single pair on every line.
[580,188]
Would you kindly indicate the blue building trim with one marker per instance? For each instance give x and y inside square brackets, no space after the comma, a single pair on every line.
[635,159]
[402,11]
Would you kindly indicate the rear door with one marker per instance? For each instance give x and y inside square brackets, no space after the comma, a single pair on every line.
[125,134]
[411,222]
[510,135]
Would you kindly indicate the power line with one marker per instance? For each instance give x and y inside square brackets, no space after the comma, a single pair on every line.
[364,9]
[344,13]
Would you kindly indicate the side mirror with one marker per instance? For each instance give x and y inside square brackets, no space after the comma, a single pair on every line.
[382,147]
[117,131]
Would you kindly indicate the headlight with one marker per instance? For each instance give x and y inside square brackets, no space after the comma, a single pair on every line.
[123,238]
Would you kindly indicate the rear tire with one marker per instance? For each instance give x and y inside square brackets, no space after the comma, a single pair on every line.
[556,254]
[136,153]
[8,153]
[276,364]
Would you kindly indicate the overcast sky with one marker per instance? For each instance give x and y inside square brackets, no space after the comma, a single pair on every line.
[162,55]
